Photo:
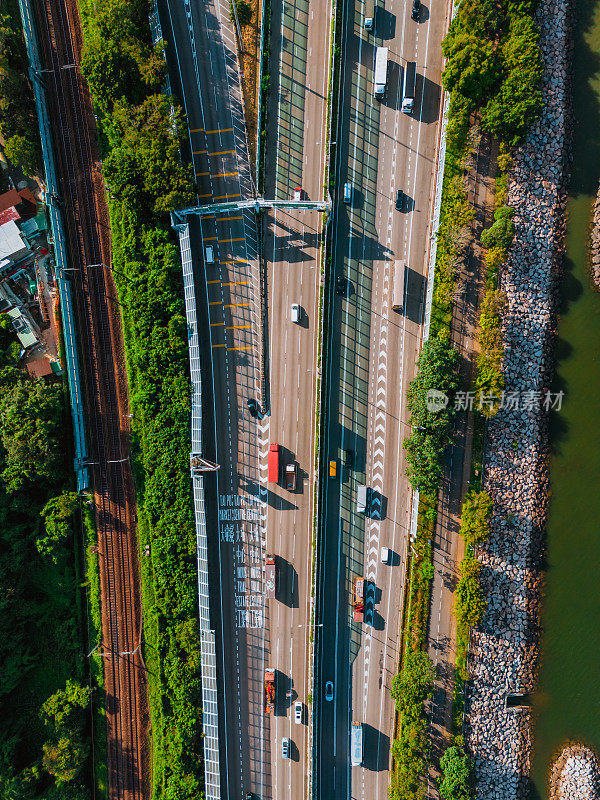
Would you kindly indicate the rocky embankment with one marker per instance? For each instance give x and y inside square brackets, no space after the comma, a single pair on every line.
[504,648]
[575,775]
[595,243]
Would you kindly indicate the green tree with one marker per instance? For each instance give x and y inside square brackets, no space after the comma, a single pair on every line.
[66,750]
[469,602]
[25,153]
[473,68]
[57,513]
[409,752]
[431,430]
[517,104]
[31,423]
[501,232]
[476,512]
[457,774]
[414,684]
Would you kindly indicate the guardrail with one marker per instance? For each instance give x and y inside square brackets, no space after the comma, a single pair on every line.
[60,251]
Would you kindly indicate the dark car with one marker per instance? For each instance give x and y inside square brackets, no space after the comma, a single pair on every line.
[400,197]
[340,285]
[252,406]
[349,459]
[416,9]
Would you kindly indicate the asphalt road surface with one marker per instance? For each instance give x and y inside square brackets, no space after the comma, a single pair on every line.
[373,352]
[295,158]
[203,71]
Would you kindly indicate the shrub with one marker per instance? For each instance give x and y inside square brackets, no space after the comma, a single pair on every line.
[24,152]
[517,104]
[414,684]
[473,66]
[244,12]
[64,716]
[469,602]
[476,512]
[457,774]
[501,232]
[489,380]
[431,431]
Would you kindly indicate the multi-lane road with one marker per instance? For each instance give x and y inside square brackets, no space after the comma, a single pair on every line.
[372,355]
[252,350]
[292,248]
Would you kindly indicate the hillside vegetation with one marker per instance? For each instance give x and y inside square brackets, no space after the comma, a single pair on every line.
[139,131]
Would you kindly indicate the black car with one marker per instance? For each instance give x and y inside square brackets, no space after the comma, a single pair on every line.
[416,9]
[252,406]
[340,285]
[348,459]
[400,197]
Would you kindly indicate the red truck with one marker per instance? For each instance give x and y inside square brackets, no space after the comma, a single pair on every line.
[269,690]
[358,599]
[270,576]
[273,463]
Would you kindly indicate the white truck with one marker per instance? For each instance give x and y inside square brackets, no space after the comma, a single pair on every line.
[356,744]
[381,65]
[409,85]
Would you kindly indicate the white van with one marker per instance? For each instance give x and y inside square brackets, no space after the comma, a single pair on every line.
[385,555]
[362,499]
[209,254]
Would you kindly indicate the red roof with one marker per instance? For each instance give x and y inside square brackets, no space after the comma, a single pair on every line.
[9,214]
[14,198]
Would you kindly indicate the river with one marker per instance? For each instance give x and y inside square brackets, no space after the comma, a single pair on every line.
[566,703]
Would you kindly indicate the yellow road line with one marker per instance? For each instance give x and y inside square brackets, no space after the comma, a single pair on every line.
[216,303]
[221,130]
[225,175]
[227,196]
[235,261]
[237,327]
[198,152]
[237,283]
[201,174]
[214,324]
[205,195]
[219,345]
[233,305]
[196,130]
[222,153]
[210,238]
[249,347]
[225,241]
[217,281]
[227,219]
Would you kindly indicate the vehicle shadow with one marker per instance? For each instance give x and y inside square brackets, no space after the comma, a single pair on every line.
[287,588]
[376,749]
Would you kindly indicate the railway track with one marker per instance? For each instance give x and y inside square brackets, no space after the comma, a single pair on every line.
[106,402]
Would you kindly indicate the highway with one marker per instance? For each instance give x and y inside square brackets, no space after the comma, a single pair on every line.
[300,68]
[373,351]
[203,72]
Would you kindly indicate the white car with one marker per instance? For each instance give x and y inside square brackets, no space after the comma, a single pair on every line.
[385,555]
[296,312]
[297,193]
[285,747]
[209,254]
[347,193]
[298,712]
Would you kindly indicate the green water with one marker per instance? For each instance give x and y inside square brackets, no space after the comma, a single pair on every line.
[567,701]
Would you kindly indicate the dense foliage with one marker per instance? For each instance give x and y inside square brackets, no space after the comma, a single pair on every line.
[430,430]
[489,380]
[18,121]
[494,65]
[40,616]
[140,136]
[457,775]
[469,602]
[474,523]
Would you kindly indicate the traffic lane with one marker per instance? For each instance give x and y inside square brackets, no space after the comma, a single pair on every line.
[317,75]
[293,378]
